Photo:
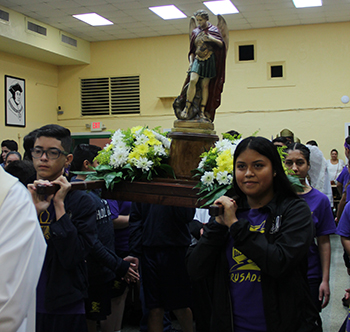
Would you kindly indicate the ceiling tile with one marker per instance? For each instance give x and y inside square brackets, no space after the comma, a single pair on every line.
[135,15]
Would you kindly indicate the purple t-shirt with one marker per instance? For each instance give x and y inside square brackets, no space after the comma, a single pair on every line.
[323,219]
[344,177]
[45,219]
[121,236]
[245,281]
[343,228]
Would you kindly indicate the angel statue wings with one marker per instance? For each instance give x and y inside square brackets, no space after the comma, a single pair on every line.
[201,93]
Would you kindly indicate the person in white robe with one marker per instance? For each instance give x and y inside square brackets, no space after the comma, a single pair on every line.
[22,252]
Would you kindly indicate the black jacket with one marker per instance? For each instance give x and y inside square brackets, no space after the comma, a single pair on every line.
[154,225]
[102,262]
[71,239]
[280,253]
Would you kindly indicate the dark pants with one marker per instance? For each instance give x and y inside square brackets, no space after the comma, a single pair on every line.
[60,323]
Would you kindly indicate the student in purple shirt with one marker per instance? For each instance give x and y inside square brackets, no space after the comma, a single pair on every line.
[343,229]
[343,181]
[256,251]
[319,256]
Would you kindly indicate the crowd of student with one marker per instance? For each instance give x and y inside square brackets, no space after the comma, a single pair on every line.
[262,265]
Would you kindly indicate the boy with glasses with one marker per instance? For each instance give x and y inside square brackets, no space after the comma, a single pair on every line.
[67,220]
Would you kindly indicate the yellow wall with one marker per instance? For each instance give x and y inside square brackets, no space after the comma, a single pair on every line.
[307,101]
[41,83]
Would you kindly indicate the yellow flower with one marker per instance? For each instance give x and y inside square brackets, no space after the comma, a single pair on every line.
[225,161]
[109,147]
[148,133]
[133,154]
[142,149]
[135,129]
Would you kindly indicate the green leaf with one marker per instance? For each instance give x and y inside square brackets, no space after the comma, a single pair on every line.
[83,172]
[110,177]
[103,168]
[212,197]
[168,169]
[93,177]
[295,183]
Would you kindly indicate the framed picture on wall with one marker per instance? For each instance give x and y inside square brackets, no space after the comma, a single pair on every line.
[15,105]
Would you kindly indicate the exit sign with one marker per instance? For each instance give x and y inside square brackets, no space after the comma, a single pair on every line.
[96,126]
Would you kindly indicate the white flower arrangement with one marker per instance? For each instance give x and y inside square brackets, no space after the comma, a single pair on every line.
[216,168]
[136,153]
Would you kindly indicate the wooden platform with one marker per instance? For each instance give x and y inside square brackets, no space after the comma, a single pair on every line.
[157,191]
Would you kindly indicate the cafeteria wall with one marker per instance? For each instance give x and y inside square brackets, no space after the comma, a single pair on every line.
[307,100]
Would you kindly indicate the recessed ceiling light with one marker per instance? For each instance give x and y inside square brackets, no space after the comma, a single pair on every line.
[307,3]
[221,7]
[168,12]
[93,19]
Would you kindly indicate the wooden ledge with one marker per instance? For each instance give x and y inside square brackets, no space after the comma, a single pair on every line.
[158,191]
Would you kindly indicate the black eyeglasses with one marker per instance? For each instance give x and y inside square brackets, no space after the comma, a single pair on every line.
[52,153]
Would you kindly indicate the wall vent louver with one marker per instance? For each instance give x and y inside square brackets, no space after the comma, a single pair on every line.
[4,16]
[36,28]
[110,95]
[125,95]
[68,40]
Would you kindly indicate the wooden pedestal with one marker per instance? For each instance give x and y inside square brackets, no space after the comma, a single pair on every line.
[189,140]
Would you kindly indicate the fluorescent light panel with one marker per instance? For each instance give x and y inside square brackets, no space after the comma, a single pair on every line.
[307,3]
[168,12]
[93,19]
[221,7]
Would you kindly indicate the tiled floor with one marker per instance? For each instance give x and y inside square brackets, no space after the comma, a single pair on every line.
[334,314]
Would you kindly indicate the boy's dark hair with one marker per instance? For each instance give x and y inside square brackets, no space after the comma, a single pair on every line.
[10,144]
[60,133]
[13,152]
[21,169]
[281,185]
[233,133]
[312,142]
[83,152]
[28,144]
[280,139]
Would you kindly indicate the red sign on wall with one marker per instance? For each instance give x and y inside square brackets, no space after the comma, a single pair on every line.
[96,126]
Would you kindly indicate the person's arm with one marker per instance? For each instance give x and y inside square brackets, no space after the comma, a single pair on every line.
[122,267]
[121,222]
[74,234]
[324,247]
[22,252]
[345,241]
[341,205]
[339,187]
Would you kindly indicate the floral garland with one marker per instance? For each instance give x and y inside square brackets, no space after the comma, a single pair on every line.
[215,169]
[137,153]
